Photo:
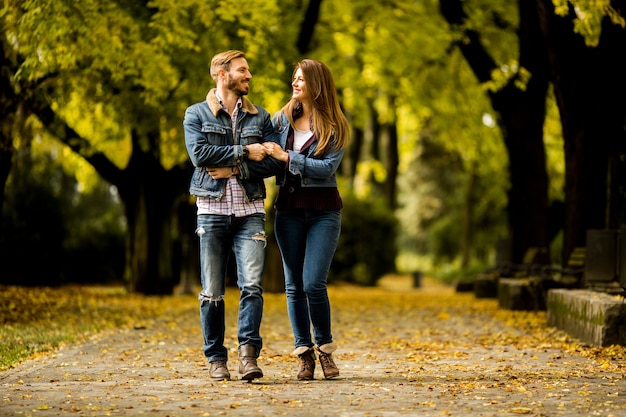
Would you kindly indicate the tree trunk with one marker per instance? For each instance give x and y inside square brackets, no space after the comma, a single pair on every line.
[467,233]
[521,116]
[149,249]
[149,194]
[8,109]
[311,18]
[589,86]
[392,160]
[6,151]
[353,153]
[188,249]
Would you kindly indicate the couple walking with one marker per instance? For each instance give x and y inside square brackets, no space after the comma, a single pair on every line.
[234,145]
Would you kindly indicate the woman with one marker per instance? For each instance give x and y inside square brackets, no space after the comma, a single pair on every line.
[313,132]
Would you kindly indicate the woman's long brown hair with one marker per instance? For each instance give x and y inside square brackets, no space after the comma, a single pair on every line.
[330,125]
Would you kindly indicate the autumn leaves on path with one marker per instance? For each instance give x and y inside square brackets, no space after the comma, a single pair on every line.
[402,351]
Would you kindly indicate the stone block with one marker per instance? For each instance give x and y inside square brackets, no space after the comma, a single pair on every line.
[593,317]
[521,294]
[464,286]
[486,286]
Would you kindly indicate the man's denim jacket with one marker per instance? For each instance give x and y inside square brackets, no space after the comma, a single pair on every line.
[314,170]
[210,143]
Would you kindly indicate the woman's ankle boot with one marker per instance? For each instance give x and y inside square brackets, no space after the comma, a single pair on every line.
[326,360]
[306,355]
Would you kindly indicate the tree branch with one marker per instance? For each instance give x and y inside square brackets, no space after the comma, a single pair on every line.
[308,26]
[40,107]
[472,49]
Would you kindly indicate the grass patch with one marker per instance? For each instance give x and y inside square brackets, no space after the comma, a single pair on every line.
[37,320]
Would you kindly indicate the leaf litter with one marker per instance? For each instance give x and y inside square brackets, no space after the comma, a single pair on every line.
[425,351]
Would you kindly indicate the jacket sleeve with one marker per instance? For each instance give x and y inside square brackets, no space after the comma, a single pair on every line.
[201,152]
[309,166]
[306,165]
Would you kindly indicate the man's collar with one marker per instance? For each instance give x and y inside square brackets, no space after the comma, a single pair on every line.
[221,101]
[215,103]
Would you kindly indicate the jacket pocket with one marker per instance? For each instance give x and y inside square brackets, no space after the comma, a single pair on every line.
[216,134]
[200,178]
[251,134]
[213,128]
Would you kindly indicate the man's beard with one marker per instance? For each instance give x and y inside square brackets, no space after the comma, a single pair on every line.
[234,86]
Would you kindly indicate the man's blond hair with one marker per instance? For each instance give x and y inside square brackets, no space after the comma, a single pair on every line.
[222,61]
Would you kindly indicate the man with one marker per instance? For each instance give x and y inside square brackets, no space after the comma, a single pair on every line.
[223,136]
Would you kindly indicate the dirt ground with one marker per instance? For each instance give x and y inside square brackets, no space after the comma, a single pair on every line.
[403,351]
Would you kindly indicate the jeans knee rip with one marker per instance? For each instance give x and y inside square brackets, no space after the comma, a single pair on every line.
[204,298]
[260,237]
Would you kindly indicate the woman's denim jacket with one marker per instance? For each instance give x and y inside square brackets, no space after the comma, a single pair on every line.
[210,143]
[314,170]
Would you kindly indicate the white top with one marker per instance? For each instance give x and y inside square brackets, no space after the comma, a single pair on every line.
[300,137]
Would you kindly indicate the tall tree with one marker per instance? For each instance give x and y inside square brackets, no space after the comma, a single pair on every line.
[393,64]
[8,107]
[371,47]
[113,81]
[585,44]
[307,28]
[520,107]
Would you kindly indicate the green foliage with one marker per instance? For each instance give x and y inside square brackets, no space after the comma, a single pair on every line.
[120,74]
[111,67]
[455,273]
[379,53]
[436,192]
[366,249]
[115,66]
[553,139]
[589,17]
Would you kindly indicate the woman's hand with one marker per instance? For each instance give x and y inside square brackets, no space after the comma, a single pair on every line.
[274,150]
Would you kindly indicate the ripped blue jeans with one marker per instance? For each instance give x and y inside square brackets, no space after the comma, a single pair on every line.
[246,237]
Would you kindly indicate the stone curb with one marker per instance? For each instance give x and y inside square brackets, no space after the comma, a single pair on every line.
[593,317]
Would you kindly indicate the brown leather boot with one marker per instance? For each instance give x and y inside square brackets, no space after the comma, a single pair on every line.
[219,370]
[307,362]
[248,367]
[326,360]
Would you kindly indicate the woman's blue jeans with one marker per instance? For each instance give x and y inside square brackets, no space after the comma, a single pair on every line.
[307,240]
[246,237]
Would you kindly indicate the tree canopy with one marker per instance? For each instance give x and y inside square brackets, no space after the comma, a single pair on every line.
[439,95]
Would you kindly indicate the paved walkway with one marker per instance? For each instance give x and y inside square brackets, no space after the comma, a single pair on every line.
[403,351]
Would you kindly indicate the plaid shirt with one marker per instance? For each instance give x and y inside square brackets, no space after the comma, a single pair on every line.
[233,203]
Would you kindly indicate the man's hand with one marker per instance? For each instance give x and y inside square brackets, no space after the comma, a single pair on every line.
[257,151]
[222,172]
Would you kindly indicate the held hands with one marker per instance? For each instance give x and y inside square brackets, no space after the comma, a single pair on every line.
[274,149]
[257,152]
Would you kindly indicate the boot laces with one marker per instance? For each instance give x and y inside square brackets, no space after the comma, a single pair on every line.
[326,360]
[218,364]
[306,363]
